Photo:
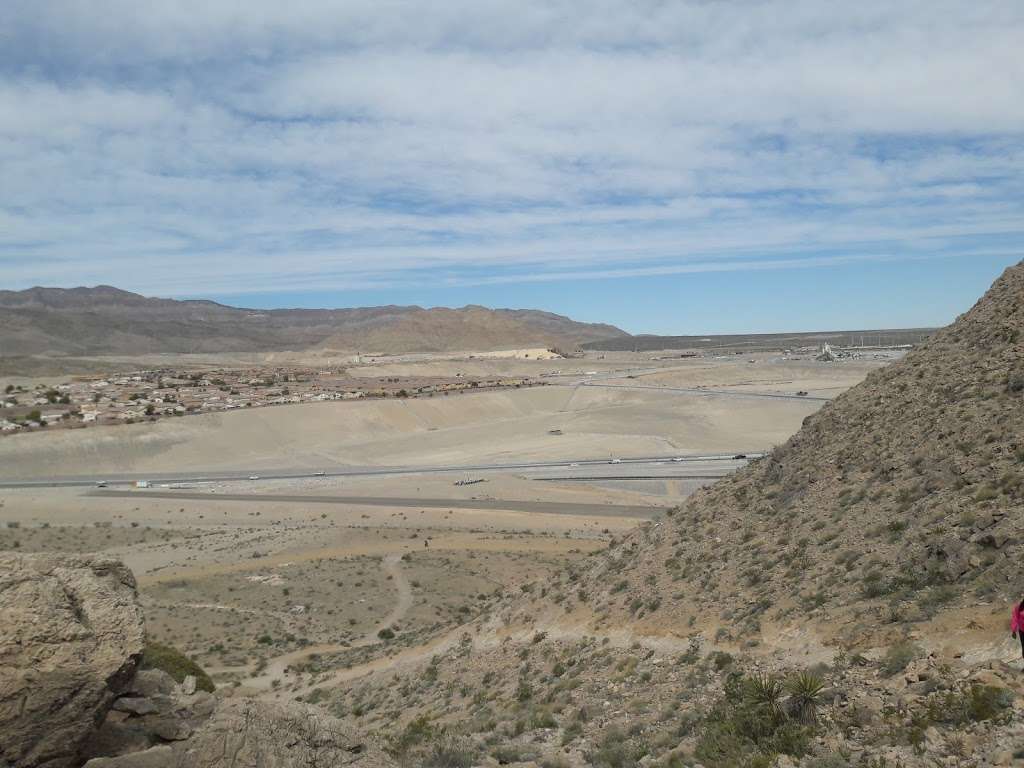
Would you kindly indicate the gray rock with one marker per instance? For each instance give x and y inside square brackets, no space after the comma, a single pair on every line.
[250,734]
[117,737]
[72,637]
[170,728]
[188,685]
[152,682]
[155,757]
[136,705]
[200,704]
[260,735]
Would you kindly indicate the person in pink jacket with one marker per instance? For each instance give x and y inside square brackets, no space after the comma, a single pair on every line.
[1017,624]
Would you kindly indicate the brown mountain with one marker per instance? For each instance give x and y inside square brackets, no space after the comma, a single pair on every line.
[106,320]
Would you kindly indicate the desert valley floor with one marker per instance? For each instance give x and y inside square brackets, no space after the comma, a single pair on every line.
[259,578]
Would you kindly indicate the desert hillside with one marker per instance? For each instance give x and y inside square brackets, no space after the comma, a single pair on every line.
[842,602]
[903,496]
[105,320]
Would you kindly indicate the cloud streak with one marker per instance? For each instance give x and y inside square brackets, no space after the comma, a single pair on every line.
[231,147]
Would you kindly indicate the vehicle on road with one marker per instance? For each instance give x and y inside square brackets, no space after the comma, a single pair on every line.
[615,461]
[101,483]
[801,393]
[254,477]
[740,456]
[678,458]
[574,464]
[320,474]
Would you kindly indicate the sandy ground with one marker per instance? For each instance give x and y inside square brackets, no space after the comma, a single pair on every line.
[257,588]
[241,586]
[483,427]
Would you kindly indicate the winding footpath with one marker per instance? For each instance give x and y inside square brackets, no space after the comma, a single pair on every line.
[277,667]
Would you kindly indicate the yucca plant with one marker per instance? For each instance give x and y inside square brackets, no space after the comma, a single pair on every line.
[804,689]
[766,691]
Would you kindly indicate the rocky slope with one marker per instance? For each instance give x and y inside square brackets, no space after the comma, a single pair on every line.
[105,320]
[841,602]
[72,693]
[902,498]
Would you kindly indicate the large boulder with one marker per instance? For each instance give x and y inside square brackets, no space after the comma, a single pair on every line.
[71,635]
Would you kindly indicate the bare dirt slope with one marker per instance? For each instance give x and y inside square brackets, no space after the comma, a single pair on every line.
[493,427]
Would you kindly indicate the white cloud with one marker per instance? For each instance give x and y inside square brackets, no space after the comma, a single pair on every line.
[234,145]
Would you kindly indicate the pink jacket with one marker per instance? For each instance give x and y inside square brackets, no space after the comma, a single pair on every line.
[1017,619]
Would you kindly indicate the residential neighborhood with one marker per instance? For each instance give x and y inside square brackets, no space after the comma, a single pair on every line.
[168,392]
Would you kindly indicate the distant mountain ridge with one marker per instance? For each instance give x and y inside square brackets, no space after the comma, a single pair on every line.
[108,320]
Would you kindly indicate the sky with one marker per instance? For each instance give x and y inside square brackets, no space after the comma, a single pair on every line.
[669,167]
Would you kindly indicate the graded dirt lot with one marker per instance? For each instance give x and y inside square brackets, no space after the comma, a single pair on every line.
[595,422]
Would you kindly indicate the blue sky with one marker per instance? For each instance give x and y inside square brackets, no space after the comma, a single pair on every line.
[667,167]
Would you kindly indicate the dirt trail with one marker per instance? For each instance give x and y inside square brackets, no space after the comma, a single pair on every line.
[802,643]
[276,667]
[486,638]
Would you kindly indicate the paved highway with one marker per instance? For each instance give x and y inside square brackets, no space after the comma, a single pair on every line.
[238,475]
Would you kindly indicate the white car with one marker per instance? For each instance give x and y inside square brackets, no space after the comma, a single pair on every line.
[319,474]
[678,458]
[101,483]
[574,464]
[254,477]
[615,461]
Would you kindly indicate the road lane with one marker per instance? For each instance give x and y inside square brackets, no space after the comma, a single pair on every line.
[117,478]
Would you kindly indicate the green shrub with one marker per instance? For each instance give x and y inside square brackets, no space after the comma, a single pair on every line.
[747,727]
[898,656]
[176,664]
[986,493]
[804,690]
[973,705]
[875,585]
[513,753]
[766,691]
[449,752]
[721,660]
[617,750]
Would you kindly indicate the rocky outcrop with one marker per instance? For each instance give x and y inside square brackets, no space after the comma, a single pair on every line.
[253,734]
[71,634]
[153,711]
[71,637]
[160,724]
